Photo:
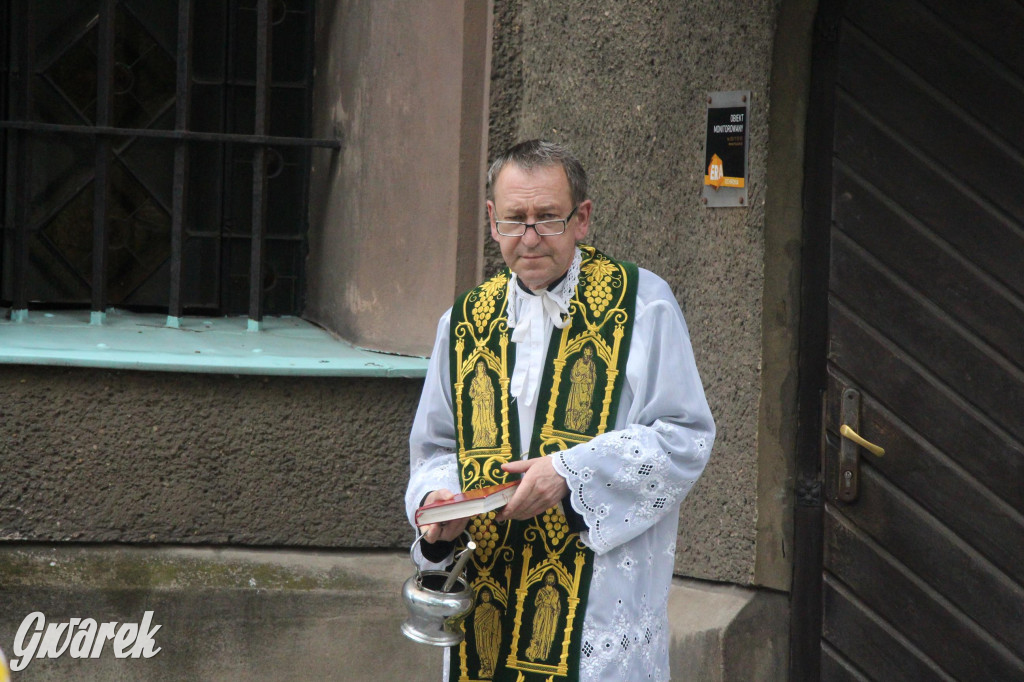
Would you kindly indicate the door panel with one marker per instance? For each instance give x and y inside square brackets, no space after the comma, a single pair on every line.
[930,265]
[941,59]
[942,488]
[981,234]
[869,641]
[836,669]
[923,572]
[918,541]
[875,581]
[960,359]
[881,69]
[929,407]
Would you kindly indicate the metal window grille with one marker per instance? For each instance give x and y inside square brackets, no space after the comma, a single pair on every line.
[156,154]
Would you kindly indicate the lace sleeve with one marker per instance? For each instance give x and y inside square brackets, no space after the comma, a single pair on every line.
[624,481]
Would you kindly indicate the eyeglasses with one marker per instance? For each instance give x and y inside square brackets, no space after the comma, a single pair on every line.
[544,228]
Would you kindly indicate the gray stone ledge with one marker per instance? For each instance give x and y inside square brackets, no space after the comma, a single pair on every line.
[724,633]
[236,614]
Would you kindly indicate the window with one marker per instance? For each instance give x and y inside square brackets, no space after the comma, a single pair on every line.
[131,133]
[156,155]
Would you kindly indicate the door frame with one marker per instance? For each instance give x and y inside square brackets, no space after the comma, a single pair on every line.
[808,501]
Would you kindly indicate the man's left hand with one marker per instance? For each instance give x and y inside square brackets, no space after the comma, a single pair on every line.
[541,488]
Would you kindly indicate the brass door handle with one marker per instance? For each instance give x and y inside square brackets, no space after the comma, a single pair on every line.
[848,472]
[846,432]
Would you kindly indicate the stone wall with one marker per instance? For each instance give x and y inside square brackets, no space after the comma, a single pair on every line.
[150,457]
[118,456]
[625,86]
[94,462]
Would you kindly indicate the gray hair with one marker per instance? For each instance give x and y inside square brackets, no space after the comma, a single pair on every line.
[540,153]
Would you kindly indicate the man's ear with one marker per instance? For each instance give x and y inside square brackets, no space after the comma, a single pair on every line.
[582,219]
[491,219]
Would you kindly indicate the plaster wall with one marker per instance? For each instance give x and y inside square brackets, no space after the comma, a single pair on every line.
[625,86]
[129,461]
[137,457]
[151,457]
[394,217]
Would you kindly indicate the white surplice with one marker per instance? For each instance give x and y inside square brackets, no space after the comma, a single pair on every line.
[627,483]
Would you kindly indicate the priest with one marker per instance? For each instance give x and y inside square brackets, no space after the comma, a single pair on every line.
[598,410]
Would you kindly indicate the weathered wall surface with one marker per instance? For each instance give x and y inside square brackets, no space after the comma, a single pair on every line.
[224,615]
[231,614]
[94,456]
[402,85]
[624,85]
[148,457]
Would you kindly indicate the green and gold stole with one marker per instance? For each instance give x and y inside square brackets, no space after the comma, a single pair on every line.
[531,578]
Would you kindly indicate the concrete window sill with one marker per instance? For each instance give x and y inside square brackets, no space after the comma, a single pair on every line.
[283,346]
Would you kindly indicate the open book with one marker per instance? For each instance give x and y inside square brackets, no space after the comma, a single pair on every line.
[465,504]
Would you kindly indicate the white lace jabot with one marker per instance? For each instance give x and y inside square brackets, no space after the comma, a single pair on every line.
[528,317]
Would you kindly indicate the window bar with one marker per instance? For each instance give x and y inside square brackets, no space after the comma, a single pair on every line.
[226,217]
[19,171]
[104,158]
[172,135]
[179,200]
[306,155]
[259,166]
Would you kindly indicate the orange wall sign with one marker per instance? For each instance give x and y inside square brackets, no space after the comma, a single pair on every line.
[725,149]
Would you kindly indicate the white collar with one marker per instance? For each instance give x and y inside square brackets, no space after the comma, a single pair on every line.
[555,300]
[529,316]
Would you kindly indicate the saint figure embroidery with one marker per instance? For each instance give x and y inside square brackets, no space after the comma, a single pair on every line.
[481,394]
[581,392]
[545,619]
[487,627]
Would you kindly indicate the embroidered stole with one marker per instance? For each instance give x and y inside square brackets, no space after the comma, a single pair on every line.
[531,578]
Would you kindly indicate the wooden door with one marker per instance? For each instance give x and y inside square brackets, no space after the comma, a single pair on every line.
[923,569]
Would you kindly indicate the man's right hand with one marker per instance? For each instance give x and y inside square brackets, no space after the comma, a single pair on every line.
[447,530]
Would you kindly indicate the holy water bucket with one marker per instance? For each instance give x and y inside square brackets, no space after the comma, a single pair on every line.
[438,602]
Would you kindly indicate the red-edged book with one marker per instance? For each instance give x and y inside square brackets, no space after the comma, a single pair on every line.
[469,503]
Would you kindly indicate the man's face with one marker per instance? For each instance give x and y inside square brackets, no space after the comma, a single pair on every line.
[530,196]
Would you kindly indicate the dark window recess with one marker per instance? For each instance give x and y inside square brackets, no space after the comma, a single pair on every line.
[156,154]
